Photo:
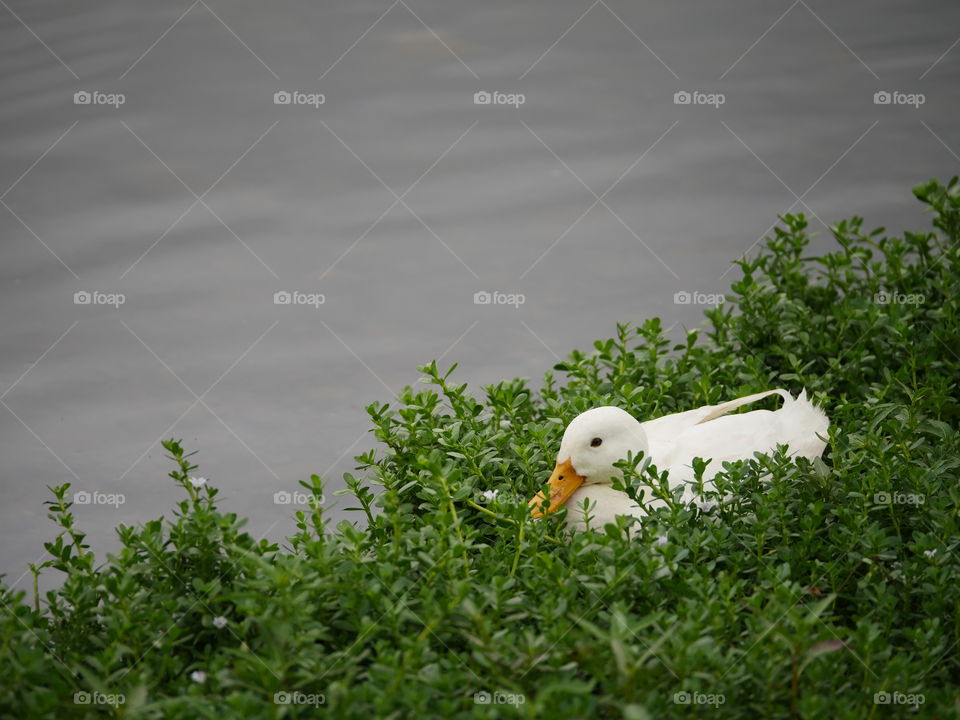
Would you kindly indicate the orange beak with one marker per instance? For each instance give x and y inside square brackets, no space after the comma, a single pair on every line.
[563,482]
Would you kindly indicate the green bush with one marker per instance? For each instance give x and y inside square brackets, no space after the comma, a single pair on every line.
[808,590]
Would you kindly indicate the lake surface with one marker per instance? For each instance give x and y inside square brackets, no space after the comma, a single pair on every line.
[147,154]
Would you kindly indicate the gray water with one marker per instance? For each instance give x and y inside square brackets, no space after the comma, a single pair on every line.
[301,198]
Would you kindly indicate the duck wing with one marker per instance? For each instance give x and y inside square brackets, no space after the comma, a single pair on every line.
[709,432]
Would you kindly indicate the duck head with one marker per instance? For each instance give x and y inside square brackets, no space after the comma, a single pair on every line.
[591,444]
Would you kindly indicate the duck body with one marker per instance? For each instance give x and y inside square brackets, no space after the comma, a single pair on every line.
[597,438]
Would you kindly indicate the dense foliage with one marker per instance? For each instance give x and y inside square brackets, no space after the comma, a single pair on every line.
[825,589]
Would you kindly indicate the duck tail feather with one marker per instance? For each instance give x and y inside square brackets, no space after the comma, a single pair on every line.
[812,420]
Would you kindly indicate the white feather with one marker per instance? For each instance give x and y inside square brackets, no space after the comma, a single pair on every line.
[673,441]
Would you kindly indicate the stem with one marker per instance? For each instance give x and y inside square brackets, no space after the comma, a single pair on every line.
[482,509]
[36,588]
[456,524]
[794,688]
[65,520]
[492,514]
[516,557]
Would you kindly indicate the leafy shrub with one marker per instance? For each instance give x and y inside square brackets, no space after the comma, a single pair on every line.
[824,589]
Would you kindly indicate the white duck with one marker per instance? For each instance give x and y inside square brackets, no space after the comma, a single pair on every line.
[598,438]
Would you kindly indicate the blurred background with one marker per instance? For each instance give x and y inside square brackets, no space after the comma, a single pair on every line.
[239,223]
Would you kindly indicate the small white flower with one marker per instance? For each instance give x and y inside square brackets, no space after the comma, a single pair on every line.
[706,505]
[504,424]
[198,676]
[930,553]
[220,622]
[489,495]
[197,482]
[661,540]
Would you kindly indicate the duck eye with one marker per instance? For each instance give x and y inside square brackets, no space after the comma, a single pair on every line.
[596,442]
